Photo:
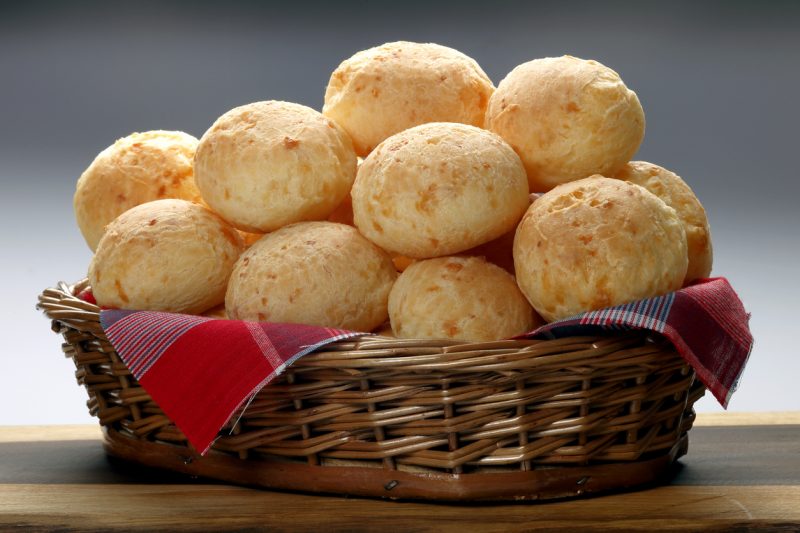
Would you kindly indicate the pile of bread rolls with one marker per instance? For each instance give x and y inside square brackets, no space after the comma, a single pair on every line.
[477,213]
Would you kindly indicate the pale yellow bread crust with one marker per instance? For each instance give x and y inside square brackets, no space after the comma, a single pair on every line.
[595,243]
[318,273]
[439,189]
[464,298]
[264,165]
[165,255]
[139,168]
[678,195]
[389,88]
[567,118]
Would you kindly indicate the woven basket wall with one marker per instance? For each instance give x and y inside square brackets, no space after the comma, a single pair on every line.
[420,406]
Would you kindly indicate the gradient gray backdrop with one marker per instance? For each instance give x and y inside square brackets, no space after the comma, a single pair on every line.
[719,83]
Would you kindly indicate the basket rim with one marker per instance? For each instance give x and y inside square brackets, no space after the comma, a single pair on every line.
[370,351]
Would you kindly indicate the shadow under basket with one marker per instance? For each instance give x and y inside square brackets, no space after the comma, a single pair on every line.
[417,419]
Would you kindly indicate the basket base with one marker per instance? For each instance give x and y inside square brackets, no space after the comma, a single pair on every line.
[541,484]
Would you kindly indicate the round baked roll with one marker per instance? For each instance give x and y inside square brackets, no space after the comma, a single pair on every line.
[567,118]
[597,242]
[318,273]
[395,86]
[464,298]
[678,195]
[438,189]
[264,165]
[166,255]
[139,168]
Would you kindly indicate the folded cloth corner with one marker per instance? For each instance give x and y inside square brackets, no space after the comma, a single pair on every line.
[706,322]
[200,370]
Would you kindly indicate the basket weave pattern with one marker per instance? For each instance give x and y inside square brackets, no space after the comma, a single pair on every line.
[421,405]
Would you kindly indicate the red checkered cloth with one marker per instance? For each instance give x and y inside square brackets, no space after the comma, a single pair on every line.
[200,370]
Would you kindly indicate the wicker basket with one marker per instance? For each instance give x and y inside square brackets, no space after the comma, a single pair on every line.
[377,416]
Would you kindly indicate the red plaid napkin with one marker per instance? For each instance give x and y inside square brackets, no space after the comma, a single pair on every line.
[705,321]
[201,370]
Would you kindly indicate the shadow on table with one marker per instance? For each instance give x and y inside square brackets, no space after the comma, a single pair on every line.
[76,461]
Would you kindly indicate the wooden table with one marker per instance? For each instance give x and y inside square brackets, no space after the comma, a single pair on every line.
[742,472]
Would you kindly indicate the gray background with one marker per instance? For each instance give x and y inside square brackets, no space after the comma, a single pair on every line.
[718,82]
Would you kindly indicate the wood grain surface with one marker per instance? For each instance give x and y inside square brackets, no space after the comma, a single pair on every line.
[219,507]
[735,477]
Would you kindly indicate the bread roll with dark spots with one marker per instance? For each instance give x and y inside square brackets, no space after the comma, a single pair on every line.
[597,242]
[567,118]
[389,88]
[264,165]
[166,255]
[139,168]
[318,273]
[678,195]
[439,189]
[464,298]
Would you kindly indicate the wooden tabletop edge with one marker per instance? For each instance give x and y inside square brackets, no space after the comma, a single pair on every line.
[50,433]
[766,418]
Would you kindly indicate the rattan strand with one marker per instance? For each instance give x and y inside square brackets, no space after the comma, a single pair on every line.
[421,405]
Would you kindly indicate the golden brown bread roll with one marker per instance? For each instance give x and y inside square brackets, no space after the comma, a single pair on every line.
[139,168]
[463,298]
[567,118]
[166,255]
[318,273]
[395,86]
[264,165]
[678,195]
[438,189]
[595,243]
